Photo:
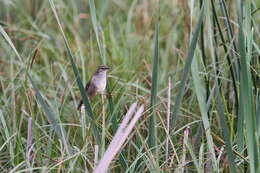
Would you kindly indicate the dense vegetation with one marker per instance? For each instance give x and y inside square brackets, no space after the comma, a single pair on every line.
[196,61]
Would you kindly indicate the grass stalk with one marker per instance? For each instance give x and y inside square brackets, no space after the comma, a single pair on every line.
[246,96]
[184,77]
[152,121]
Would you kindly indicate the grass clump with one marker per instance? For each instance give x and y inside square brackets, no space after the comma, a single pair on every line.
[209,49]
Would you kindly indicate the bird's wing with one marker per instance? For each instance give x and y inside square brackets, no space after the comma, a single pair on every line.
[87,86]
[90,90]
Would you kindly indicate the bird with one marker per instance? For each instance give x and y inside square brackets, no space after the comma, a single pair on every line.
[97,83]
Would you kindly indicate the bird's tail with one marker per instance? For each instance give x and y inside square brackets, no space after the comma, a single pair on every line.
[80,104]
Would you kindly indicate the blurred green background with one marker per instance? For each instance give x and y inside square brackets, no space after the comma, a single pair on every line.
[219,102]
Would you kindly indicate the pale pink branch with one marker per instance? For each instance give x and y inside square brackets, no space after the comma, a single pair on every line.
[121,135]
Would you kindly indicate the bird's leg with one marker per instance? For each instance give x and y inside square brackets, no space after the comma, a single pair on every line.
[108,95]
[103,126]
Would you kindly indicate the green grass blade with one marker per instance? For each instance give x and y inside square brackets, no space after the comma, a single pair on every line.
[111,108]
[201,97]
[79,81]
[184,77]
[96,28]
[152,120]
[51,116]
[258,116]
[225,131]
[246,95]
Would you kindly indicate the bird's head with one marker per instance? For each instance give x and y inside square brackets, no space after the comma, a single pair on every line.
[102,68]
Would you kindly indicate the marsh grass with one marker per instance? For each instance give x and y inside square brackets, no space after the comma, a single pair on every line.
[210,50]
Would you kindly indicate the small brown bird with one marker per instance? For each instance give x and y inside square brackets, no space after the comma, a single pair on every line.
[97,83]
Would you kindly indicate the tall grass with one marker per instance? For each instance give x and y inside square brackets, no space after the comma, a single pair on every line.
[152,121]
[210,50]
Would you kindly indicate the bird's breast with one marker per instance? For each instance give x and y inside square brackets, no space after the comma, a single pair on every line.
[100,83]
